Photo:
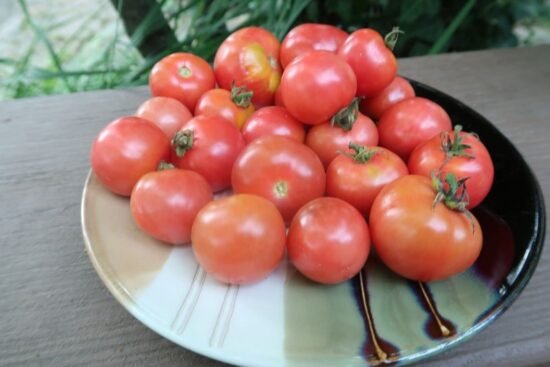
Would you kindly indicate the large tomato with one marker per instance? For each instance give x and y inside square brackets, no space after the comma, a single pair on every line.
[164,203]
[287,173]
[234,106]
[310,37]
[167,113]
[423,232]
[273,120]
[398,90]
[208,145]
[127,149]
[239,239]
[316,86]
[328,240]
[411,122]
[372,61]
[182,76]
[250,57]
[359,177]
[349,126]
[460,153]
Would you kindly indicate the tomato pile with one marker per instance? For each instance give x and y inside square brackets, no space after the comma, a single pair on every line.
[313,148]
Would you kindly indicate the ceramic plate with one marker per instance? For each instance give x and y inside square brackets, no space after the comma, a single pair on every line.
[287,320]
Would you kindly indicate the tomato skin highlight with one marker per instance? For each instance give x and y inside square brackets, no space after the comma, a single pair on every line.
[279,169]
[328,241]
[182,76]
[309,37]
[359,183]
[420,241]
[250,57]
[315,86]
[372,61]
[273,120]
[125,150]
[218,102]
[167,113]
[411,122]
[398,90]
[239,239]
[164,203]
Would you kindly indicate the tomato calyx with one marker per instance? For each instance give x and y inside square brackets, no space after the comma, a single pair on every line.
[452,193]
[361,154]
[241,96]
[185,72]
[163,166]
[182,142]
[454,147]
[391,38]
[346,117]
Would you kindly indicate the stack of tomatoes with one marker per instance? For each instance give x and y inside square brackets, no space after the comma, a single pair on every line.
[310,148]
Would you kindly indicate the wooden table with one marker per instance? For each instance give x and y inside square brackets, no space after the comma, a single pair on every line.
[54,310]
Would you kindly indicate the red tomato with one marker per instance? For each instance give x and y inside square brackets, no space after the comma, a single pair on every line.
[328,241]
[279,97]
[357,179]
[234,106]
[167,113]
[127,149]
[164,203]
[250,57]
[182,76]
[398,90]
[273,120]
[411,122]
[239,239]
[372,61]
[287,173]
[310,37]
[316,86]
[420,237]
[208,145]
[330,138]
[460,153]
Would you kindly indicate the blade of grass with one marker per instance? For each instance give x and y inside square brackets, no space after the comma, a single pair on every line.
[446,36]
[111,53]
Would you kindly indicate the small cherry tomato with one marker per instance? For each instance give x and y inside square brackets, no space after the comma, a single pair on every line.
[208,145]
[398,90]
[359,177]
[328,240]
[167,113]
[164,203]
[317,85]
[250,57]
[411,122]
[239,239]
[127,149]
[182,76]
[310,37]
[234,106]
[273,120]
[285,172]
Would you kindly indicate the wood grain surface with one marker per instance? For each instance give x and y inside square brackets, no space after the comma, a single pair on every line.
[54,310]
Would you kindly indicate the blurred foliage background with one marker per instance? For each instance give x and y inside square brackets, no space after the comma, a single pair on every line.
[62,46]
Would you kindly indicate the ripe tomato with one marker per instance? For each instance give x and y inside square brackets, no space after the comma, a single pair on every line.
[167,113]
[358,178]
[398,90]
[208,145]
[372,61]
[287,173]
[460,153]
[411,122]
[182,76]
[250,57]
[309,37]
[273,120]
[164,203]
[328,240]
[330,138]
[419,236]
[279,97]
[239,239]
[125,150]
[234,106]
